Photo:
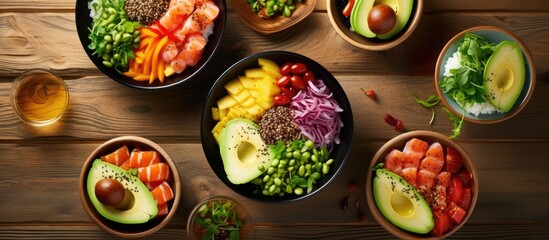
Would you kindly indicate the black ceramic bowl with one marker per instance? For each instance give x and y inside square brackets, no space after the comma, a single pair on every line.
[339,153]
[84,22]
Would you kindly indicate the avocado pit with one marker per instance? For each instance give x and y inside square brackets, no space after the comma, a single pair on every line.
[381,19]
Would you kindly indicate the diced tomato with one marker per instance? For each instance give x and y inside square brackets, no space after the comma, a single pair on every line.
[453,160]
[465,177]
[454,190]
[442,224]
[465,200]
[348,8]
[456,213]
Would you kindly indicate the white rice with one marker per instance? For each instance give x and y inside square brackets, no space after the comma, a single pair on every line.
[476,109]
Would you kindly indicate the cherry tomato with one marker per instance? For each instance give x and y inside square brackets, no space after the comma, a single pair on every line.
[285,69]
[297,82]
[465,200]
[283,81]
[299,68]
[293,91]
[399,126]
[371,94]
[390,120]
[465,177]
[453,160]
[454,190]
[309,76]
[442,224]
[456,213]
[287,91]
[282,100]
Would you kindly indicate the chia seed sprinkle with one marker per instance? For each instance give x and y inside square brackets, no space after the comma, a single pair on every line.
[277,124]
[146,11]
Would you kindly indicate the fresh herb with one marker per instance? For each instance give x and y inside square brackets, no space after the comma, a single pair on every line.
[113,36]
[430,102]
[465,85]
[219,220]
[456,122]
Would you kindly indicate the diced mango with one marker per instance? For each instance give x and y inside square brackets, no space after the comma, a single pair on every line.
[254,73]
[234,87]
[168,71]
[271,72]
[223,113]
[267,63]
[255,93]
[248,103]
[242,96]
[226,102]
[265,104]
[255,110]
[215,114]
[247,82]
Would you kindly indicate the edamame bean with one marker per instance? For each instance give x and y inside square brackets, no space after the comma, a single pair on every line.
[274,162]
[298,191]
[296,154]
[301,170]
[107,63]
[325,168]
[271,170]
[287,12]
[277,181]
[314,158]
[107,38]
[330,161]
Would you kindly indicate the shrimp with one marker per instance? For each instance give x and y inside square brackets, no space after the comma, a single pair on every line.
[193,49]
[117,157]
[163,193]
[171,20]
[179,63]
[169,52]
[393,161]
[154,173]
[207,12]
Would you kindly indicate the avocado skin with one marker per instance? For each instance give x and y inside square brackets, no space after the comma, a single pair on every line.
[505,64]
[387,183]
[359,15]
[144,207]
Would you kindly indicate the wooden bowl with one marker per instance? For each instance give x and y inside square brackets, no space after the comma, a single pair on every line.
[495,35]
[276,23]
[374,44]
[129,230]
[398,142]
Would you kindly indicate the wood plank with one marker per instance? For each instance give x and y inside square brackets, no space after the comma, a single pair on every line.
[39,184]
[101,108]
[34,39]
[429,6]
[275,232]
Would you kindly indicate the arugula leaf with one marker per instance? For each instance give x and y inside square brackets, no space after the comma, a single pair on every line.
[456,122]
[430,102]
[466,83]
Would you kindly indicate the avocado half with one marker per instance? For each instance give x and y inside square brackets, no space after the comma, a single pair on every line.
[400,203]
[243,151]
[144,207]
[504,76]
[359,16]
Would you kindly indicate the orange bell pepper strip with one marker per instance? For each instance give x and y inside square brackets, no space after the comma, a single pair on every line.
[155,60]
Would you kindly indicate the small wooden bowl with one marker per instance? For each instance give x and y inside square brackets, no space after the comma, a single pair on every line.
[398,142]
[373,44]
[129,230]
[276,23]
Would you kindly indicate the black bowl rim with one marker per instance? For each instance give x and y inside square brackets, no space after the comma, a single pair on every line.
[348,125]
[83,34]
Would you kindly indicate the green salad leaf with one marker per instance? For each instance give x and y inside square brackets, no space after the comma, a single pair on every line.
[456,122]
[430,102]
[465,85]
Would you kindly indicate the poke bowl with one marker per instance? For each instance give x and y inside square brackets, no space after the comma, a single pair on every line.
[421,184]
[505,80]
[154,49]
[230,219]
[130,187]
[265,20]
[374,25]
[252,138]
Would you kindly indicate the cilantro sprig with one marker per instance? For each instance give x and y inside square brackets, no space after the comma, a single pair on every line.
[219,219]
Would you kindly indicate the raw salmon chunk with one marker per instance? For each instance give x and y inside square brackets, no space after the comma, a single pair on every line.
[393,161]
[117,157]
[435,150]
[143,158]
[154,173]
[163,193]
[431,164]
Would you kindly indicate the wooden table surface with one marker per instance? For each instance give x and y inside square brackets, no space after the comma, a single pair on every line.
[39,168]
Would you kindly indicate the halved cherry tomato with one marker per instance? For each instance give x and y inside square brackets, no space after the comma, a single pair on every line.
[454,190]
[287,91]
[283,81]
[453,160]
[465,177]
[309,76]
[263,13]
[456,213]
[348,8]
[442,224]
[282,100]
[465,200]
[390,120]
[299,68]
[285,68]
[297,82]
[399,126]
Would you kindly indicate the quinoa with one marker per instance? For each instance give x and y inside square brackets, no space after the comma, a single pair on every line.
[146,11]
[277,124]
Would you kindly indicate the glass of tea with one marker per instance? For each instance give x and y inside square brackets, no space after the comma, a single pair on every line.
[39,97]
